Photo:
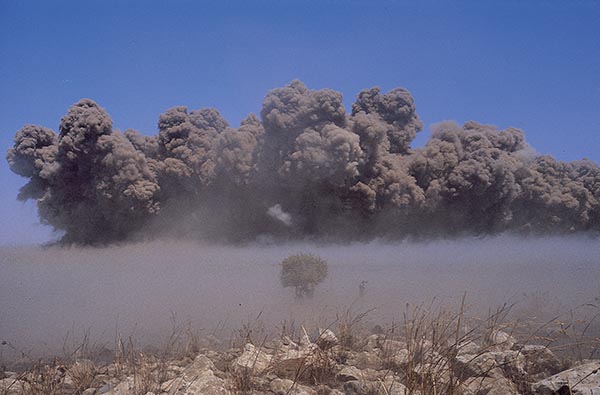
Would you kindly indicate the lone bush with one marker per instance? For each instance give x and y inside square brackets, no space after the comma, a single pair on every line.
[303,272]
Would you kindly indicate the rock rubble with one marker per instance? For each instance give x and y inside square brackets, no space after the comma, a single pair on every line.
[376,365]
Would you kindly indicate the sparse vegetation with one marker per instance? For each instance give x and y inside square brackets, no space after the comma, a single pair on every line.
[303,272]
[430,351]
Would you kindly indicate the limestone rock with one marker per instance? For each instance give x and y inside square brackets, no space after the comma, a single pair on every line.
[540,362]
[400,358]
[289,387]
[495,364]
[393,386]
[125,387]
[491,386]
[355,387]
[581,380]
[292,358]
[197,379]
[326,339]
[349,373]
[468,348]
[500,341]
[13,386]
[252,359]
[206,384]
[392,346]
[364,360]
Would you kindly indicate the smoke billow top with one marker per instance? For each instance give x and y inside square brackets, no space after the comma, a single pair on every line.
[305,168]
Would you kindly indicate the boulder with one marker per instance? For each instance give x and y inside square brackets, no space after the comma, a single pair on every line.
[355,387]
[495,364]
[393,354]
[432,372]
[206,383]
[349,373]
[581,380]
[252,359]
[390,346]
[352,373]
[540,362]
[490,386]
[400,358]
[289,387]
[326,339]
[291,358]
[468,348]
[13,386]
[393,386]
[364,360]
[499,341]
[372,343]
[197,379]
[125,387]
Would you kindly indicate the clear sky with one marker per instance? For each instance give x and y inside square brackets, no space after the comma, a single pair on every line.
[530,64]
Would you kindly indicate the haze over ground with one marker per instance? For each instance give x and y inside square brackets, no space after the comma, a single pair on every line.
[136,289]
[533,66]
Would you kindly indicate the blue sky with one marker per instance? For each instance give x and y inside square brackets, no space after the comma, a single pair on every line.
[529,64]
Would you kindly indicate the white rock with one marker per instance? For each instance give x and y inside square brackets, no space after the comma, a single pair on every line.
[365,359]
[400,357]
[125,387]
[326,339]
[349,373]
[206,384]
[393,386]
[500,341]
[291,359]
[252,359]
[288,387]
[540,362]
[581,380]
[13,386]
[491,386]
[495,364]
[468,347]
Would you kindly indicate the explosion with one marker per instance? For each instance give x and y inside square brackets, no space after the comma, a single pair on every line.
[306,168]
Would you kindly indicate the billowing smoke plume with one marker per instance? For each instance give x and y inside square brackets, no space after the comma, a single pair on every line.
[337,175]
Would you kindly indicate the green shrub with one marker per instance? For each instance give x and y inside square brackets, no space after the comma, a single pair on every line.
[303,272]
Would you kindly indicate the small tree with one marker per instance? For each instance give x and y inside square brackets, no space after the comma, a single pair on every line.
[303,272]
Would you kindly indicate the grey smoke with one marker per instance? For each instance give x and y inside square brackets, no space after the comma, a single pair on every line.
[339,175]
[277,213]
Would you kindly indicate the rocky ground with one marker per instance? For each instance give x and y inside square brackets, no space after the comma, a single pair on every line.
[423,359]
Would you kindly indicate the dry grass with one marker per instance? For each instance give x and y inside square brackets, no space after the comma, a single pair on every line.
[430,351]
[349,328]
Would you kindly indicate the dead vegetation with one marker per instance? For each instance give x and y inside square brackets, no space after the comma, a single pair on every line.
[430,351]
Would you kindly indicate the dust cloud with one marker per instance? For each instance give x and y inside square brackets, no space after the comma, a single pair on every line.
[136,289]
[192,222]
[305,168]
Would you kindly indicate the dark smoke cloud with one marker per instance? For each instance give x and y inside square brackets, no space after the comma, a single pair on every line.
[329,173]
[235,151]
[33,156]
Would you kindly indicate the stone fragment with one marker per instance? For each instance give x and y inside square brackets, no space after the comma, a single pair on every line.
[491,386]
[289,387]
[540,362]
[499,341]
[580,380]
[326,339]
[252,359]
